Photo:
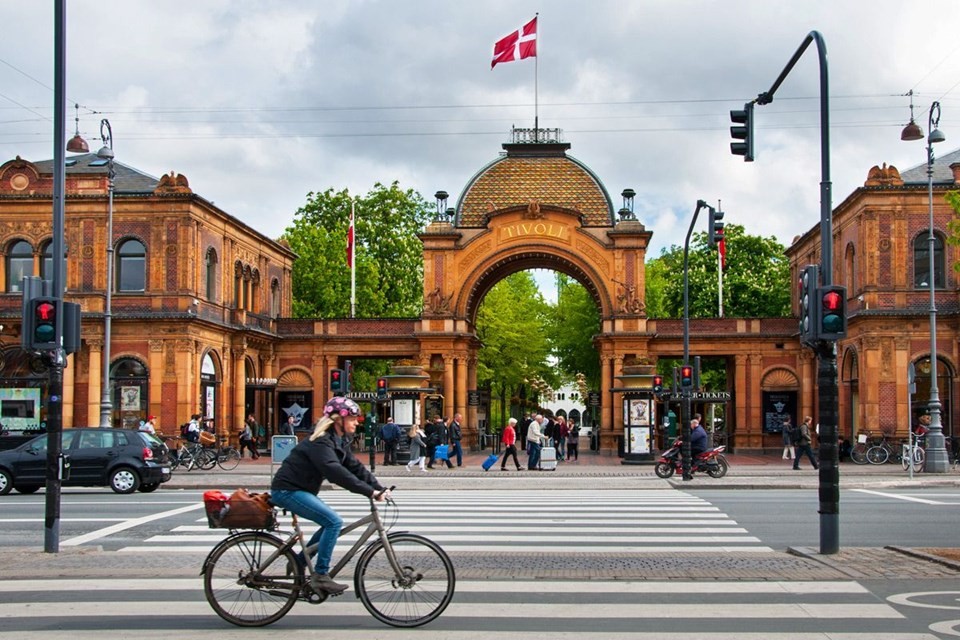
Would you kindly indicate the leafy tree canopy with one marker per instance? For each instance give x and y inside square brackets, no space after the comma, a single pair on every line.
[756,281]
[388,253]
[572,323]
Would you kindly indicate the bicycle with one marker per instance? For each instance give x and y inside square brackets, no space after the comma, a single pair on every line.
[918,456]
[226,457]
[186,456]
[253,578]
[881,451]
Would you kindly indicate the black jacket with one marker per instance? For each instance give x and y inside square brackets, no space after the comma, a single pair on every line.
[326,458]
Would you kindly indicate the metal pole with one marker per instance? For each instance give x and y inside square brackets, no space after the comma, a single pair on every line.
[106,405]
[684,391]
[826,352]
[51,520]
[936,461]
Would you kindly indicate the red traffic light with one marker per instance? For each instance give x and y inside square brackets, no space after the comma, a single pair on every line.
[381,383]
[686,376]
[46,311]
[832,301]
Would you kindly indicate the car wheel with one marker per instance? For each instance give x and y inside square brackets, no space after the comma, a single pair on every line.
[149,487]
[31,488]
[6,482]
[124,480]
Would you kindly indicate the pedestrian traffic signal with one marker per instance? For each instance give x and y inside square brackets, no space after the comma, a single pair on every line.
[43,323]
[715,227]
[686,376]
[381,388]
[336,381]
[807,305]
[743,119]
[832,312]
[347,376]
[657,384]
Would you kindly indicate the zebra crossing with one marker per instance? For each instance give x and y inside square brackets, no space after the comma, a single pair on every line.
[86,609]
[563,521]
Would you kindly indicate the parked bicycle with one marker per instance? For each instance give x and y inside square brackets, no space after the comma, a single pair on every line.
[253,578]
[226,457]
[186,456]
[912,451]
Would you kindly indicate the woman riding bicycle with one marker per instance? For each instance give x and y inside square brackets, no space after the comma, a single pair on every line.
[325,455]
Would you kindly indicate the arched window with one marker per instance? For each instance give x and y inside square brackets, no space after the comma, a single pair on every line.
[921,261]
[850,270]
[237,284]
[211,274]
[131,266]
[19,264]
[46,265]
[255,291]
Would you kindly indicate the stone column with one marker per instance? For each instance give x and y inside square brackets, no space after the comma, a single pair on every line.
[69,381]
[471,416]
[155,363]
[461,375]
[606,402]
[756,394]
[94,372]
[188,387]
[617,402]
[449,392]
[239,390]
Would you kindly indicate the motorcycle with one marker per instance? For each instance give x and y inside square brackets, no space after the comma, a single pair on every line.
[710,461]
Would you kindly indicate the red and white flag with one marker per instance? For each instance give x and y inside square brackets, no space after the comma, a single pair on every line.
[520,44]
[350,241]
[722,250]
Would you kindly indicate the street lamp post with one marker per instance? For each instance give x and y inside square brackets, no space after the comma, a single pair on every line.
[936,458]
[106,153]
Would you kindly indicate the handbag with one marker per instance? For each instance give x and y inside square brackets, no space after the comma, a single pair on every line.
[239,510]
[442,452]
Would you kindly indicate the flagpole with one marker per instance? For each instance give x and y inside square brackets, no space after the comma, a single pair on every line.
[353,264]
[720,281]
[536,85]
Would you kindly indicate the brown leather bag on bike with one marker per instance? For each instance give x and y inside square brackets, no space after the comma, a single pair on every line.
[247,510]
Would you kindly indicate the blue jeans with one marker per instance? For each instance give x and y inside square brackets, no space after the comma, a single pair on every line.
[310,506]
[456,446]
[533,461]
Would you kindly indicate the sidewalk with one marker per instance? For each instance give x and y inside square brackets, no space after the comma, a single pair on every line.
[604,472]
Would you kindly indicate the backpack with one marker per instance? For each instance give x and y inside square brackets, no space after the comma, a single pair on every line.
[796,435]
[184,429]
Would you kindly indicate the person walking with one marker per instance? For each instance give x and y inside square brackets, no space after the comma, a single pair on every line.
[510,444]
[560,433]
[287,428]
[439,438]
[247,440]
[390,434]
[150,425]
[456,433]
[418,447]
[803,444]
[534,443]
[787,432]
[573,442]
[325,455]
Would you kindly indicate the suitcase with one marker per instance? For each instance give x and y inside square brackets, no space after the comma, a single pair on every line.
[490,461]
[548,459]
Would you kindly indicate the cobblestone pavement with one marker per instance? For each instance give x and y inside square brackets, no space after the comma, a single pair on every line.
[796,564]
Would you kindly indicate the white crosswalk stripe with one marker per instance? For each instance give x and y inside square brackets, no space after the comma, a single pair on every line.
[147,609]
[566,521]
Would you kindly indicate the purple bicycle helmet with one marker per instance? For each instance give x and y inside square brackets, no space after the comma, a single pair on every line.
[340,406]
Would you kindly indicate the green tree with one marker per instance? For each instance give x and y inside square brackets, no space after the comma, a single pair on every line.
[388,253]
[510,324]
[574,321]
[756,281]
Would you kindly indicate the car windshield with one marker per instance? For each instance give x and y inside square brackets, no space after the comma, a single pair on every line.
[150,439]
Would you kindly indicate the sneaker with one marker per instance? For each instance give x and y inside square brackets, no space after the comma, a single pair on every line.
[425,470]
[322,583]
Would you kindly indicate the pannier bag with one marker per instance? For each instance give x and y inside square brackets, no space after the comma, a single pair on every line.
[240,510]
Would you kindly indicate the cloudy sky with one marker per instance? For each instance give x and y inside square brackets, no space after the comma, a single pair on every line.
[259,103]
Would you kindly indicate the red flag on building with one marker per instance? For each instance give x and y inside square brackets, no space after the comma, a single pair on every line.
[520,44]
[350,241]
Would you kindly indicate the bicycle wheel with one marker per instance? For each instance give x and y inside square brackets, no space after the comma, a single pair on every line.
[877,455]
[244,592]
[905,457]
[413,599]
[228,459]
[859,453]
[919,459]
[206,459]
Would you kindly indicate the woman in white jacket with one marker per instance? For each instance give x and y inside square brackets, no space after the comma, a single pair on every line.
[418,446]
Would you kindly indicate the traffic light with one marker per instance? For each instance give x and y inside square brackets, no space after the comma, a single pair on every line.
[715,227]
[657,384]
[381,388]
[809,328]
[686,376]
[336,382]
[44,315]
[832,312]
[743,119]
[347,376]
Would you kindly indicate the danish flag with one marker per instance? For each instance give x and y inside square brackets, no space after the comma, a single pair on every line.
[520,44]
